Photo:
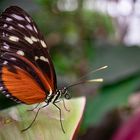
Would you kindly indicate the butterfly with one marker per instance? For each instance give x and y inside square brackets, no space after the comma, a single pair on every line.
[27,73]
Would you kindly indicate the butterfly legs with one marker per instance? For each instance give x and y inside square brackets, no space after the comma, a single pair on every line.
[34,108]
[54,103]
[34,118]
[65,105]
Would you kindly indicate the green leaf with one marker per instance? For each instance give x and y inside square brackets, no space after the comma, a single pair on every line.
[47,126]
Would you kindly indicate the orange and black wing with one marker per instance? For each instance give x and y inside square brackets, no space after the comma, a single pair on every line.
[27,72]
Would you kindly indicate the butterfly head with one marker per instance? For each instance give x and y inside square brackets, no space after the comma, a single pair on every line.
[64,93]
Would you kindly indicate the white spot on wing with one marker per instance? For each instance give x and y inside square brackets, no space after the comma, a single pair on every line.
[20,25]
[7,95]
[9,19]
[36,57]
[27,18]
[3,92]
[20,52]
[1,88]
[29,40]
[43,44]
[5,44]
[5,62]
[6,47]
[34,39]
[5,25]
[44,59]
[35,29]
[14,38]
[10,27]
[12,58]
[29,27]
[17,17]
[3,34]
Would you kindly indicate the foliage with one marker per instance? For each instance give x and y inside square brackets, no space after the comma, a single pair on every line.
[47,125]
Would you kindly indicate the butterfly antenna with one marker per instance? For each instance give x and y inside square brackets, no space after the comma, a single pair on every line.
[89,81]
[93,71]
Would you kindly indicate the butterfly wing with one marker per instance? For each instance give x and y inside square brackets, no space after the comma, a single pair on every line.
[21,87]
[24,53]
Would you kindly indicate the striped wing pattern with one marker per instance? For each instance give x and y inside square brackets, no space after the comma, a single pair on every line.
[27,72]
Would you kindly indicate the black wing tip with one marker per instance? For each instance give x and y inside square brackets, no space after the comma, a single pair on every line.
[13,7]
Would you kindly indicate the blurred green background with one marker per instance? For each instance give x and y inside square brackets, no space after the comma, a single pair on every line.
[83,35]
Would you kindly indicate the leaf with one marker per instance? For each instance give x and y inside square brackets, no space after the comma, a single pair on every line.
[109,98]
[122,62]
[47,126]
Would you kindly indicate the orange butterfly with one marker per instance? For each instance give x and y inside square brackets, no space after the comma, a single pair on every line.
[27,72]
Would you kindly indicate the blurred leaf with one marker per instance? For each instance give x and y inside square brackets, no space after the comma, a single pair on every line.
[99,21]
[110,97]
[122,62]
[129,130]
[47,125]
[108,125]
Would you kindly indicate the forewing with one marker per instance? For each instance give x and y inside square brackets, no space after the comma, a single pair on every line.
[26,71]
[19,35]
